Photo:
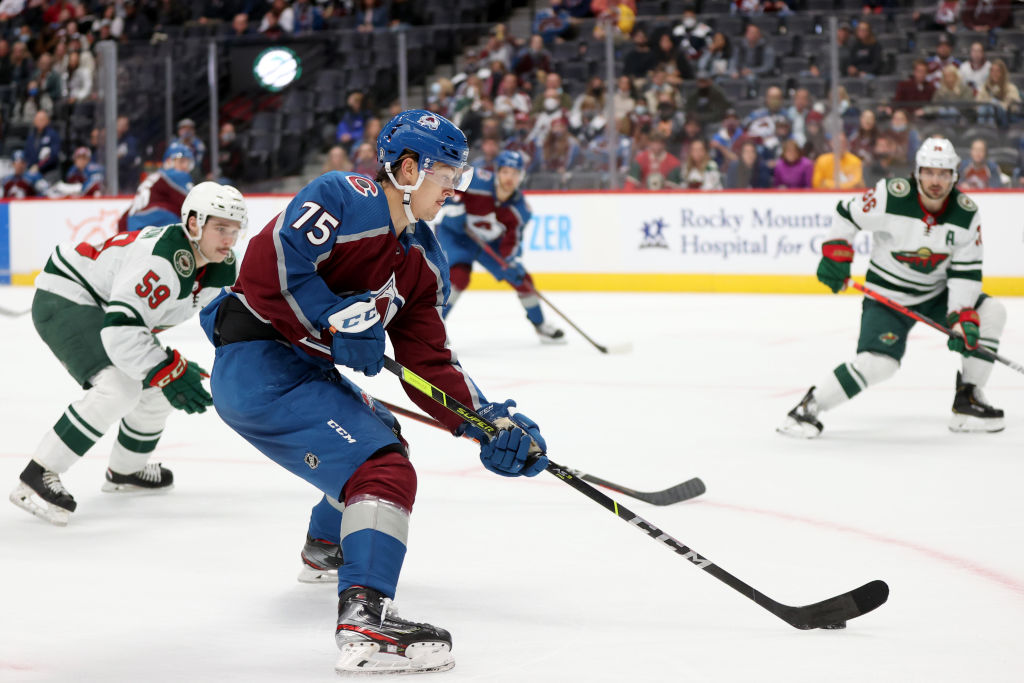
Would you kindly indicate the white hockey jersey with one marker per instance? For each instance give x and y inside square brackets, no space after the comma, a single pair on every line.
[145,281]
[916,254]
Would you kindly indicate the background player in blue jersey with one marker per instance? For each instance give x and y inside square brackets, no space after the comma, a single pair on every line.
[493,211]
[160,196]
[353,257]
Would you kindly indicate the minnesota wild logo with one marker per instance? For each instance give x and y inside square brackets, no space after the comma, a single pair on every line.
[924,260]
[889,338]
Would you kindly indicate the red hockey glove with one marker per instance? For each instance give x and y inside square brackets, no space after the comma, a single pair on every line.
[834,267]
[964,323]
[181,383]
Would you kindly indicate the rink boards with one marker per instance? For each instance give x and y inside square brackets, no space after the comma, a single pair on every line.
[732,241]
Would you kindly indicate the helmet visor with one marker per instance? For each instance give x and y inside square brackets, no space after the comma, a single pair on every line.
[449,177]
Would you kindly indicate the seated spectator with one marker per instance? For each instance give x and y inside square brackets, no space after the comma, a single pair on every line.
[707,103]
[490,148]
[239,29]
[985,15]
[903,138]
[230,155]
[864,56]
[850,169]
[553,23]
[716,59]
[978,172]
[974,72]
[595,154]
[187,136]
[753,57]
[372,15]
[78,80]
[668,120]
[47,79]
[748,171]
[337,159]
[951,88]
[353,119]
[672,60]
[654,168]
[797,113]
[624,99]
[884,163]
[365,161]
[793,170]
[22,66]
[692,35]
[23,182]
[943,18]
[916,90]
[129,159]
[271,26]
[42,147]
[83,179]
[862,143]
[641,59]
[441,96]
[531,59]
[725,141]
[552,89]
[32,101]
[659,86]
[620,12]
[942,58]
[761,122]
[510,101]
[306,17]
[816,143]
[999,92]
[700,172]
[558,151]
[586,119]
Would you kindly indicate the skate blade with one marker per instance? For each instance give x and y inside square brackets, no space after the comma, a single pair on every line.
[28,500]
[553,342]
[969,424]
[364,658]
[312,575]
[798,430]
[133,490]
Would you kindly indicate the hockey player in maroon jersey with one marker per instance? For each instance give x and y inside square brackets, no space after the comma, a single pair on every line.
[159,197]
[493,211]
[348,259]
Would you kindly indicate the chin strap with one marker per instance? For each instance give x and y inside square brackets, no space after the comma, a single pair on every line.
[194,241]
[406,189]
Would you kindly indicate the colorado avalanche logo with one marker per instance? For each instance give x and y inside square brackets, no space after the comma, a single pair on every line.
[924,260]
[429,121]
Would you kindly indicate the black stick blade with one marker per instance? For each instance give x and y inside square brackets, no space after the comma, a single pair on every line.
[676,494]
[835,611]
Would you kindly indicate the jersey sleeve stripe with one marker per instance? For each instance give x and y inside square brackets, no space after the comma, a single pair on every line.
[376,232]
[282,276]
[845,213]
[966,274]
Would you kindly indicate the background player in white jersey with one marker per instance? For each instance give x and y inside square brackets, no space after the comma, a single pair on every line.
[98,308]
[926,254]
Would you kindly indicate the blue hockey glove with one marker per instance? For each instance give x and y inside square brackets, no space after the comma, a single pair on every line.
[358,330]
[511,452]
[514,273]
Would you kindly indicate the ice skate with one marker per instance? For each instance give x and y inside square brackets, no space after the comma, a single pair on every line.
[320,561]
[802,422]
[549,334]
[374,640]
[41,493]
[153,478]
[971,411]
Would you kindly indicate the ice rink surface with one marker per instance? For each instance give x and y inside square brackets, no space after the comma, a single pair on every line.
[535,581]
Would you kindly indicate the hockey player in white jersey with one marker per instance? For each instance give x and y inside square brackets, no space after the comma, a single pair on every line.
[926,254]
[98,308]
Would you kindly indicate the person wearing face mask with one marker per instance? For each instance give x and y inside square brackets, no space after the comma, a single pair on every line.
[692,35]
[350,260]
[707,103]
[926,255]
[902,136]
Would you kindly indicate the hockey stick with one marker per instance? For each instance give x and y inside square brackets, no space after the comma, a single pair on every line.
[618,348]
[981,350]
[829,614]
[691,488]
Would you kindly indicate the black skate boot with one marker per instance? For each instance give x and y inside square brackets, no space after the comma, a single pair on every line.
[971,412]
[153,478]
[802,421]
[373,639]
[42,493]
[320,561]
[549,334]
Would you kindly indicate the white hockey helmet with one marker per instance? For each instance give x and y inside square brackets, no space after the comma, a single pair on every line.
[936,153]
[213,199]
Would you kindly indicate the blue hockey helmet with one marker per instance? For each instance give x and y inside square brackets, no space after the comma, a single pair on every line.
[176,150]
[433,137]
[511,159]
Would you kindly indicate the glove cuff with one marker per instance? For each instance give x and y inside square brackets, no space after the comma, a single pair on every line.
[840,251]
[162,375]
[965,315]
